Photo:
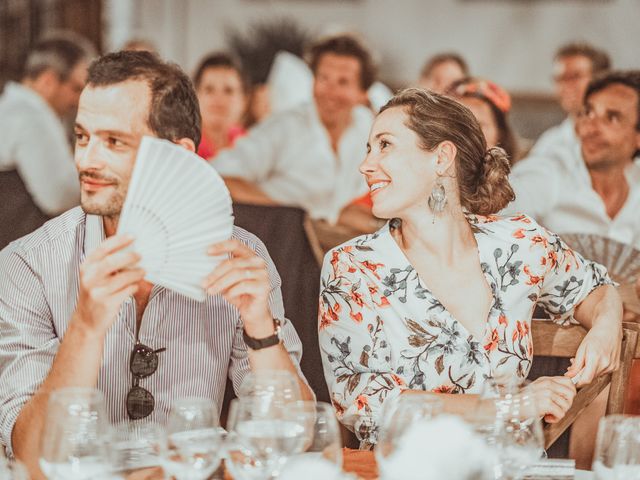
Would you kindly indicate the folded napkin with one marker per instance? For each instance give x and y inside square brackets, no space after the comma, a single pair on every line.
[551,468]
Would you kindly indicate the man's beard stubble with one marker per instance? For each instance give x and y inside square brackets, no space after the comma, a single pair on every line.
[109,207]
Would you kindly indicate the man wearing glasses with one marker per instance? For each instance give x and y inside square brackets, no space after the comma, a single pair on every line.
[37,178]
[74,308]
[574,66]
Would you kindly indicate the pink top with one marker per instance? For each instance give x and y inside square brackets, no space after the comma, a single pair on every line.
[207,148]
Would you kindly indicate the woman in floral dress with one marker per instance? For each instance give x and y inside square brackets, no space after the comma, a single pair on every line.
[441,297]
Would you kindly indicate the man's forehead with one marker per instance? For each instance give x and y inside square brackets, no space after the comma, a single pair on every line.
[124,104]
[616,95]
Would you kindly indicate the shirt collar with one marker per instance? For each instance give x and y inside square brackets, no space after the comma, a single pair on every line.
[94,233]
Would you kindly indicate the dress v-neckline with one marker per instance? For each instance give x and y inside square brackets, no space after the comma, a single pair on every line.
[488,277]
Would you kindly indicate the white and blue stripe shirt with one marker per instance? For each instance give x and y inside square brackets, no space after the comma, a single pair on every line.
[39,281]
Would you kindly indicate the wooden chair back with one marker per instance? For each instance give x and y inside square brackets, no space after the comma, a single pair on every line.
[553,340]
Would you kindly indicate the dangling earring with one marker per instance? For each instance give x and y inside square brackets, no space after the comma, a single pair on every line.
[438,198]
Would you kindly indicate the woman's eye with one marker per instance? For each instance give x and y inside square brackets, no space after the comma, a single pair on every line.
[384,144]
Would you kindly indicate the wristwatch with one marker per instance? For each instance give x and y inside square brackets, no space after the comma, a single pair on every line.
[260,343]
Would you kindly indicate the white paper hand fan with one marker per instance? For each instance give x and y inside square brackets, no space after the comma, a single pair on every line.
[176,207]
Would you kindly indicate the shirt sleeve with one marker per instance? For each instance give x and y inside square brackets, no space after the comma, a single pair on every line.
[28,341]
[254,156]
[355,352]
[239,362]
[45,164]
[568,278]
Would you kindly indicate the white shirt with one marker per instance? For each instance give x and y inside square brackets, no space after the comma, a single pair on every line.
[560,136]
[289,157]
[556,190]
[33,142]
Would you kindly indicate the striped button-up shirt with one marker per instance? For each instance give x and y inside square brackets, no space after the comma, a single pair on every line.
[39,281]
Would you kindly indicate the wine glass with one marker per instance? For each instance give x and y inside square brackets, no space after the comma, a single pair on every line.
[135,446]
[262,434]
[75,436]
[12,469]
[194,439]
[626,463]
[321,449]
[397,417]
[517,435]
[617,446]
[280,385]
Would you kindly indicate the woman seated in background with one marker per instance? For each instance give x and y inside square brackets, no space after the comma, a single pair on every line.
[490,104]
[222,93]
[441,297]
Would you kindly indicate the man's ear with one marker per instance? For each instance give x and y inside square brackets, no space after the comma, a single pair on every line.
[186,143]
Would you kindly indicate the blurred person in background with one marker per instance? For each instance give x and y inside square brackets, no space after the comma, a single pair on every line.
[441,71]
[574,65]
[37,177]
[222,95]
[489,103]
[308,156]
[598,192]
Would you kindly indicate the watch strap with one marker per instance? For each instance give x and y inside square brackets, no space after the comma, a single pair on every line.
[260,343]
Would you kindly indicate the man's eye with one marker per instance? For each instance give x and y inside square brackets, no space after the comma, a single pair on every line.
[114,142]
[384,144]
[81,137]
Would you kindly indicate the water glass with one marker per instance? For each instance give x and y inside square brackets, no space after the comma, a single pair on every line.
[263,433]
[322,446]
[397,416]
[281,386]
[136,446]
[517,434]
[617,453]
[75,436]
[194,439]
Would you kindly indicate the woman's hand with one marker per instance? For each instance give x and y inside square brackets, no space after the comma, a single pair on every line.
[598,353]
[552,396]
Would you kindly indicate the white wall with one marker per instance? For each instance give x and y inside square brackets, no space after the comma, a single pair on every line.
[510,41]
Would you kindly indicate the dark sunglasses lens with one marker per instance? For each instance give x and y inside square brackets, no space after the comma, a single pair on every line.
[144,361]
[140,403]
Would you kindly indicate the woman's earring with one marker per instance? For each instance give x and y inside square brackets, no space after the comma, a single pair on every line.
[438,198]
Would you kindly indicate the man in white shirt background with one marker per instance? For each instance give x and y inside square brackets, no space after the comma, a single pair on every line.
[308,156]
[574,65]
[601,193]
[37,177]
[593,187]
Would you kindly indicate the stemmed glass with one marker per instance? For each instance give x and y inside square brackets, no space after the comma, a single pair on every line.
[617,453]
[135,446]
[194,439]
[75,436]
[281,386]
[262,434]
[397,417]
[517,433]
[321,450]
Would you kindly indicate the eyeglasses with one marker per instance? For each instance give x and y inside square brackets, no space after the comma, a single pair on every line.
[143,363]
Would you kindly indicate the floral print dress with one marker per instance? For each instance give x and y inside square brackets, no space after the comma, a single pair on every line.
[382,331]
